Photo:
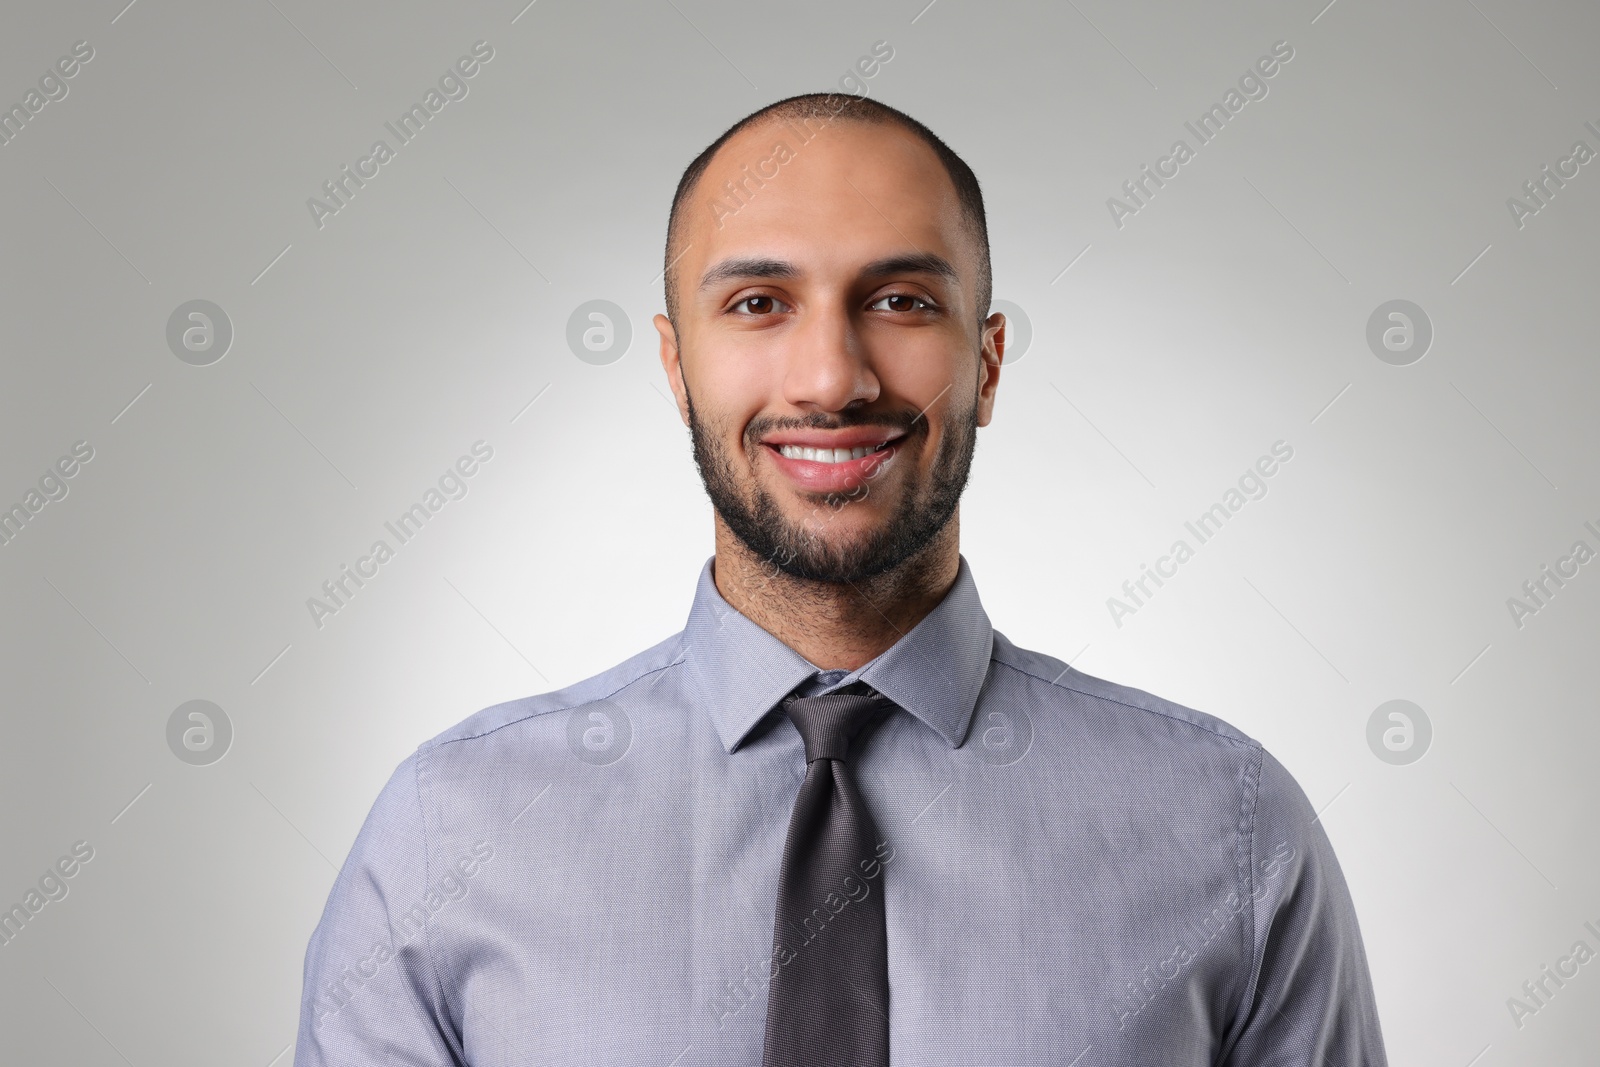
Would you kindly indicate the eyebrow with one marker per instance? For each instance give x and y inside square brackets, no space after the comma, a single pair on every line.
[763,267]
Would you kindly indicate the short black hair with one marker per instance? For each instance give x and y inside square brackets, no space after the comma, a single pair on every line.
[807,111]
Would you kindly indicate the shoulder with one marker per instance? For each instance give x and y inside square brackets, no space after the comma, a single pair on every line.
[635,670]
[1130,729]
[1111,705]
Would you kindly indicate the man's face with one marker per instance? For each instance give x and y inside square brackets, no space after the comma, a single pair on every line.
[830,309]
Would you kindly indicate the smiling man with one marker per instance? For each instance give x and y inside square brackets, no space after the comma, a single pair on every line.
[839,818]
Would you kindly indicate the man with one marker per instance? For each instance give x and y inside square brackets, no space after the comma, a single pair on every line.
[838,819]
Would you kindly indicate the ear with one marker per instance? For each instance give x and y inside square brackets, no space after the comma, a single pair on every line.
[672,363]
[992,353]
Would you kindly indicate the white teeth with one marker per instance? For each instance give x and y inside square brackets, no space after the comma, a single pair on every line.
[829,455]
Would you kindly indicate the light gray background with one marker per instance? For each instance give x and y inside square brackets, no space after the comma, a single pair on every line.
[369,354]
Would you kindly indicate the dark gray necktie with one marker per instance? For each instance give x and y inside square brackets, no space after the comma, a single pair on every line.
[828,1002]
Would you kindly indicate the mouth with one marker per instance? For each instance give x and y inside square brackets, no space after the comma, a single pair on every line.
[833,463]
[831,455]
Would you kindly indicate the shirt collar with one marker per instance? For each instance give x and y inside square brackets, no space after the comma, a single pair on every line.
[934,672]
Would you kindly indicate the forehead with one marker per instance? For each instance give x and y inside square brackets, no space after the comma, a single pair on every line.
[826,198]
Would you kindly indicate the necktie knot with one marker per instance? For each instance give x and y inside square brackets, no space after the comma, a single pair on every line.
[828,723]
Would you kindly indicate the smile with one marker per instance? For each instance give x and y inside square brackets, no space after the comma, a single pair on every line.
[836,462]
[830,455]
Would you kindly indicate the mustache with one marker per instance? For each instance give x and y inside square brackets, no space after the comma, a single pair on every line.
[907,423]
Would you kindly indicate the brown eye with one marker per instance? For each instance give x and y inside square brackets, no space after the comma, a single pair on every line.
[903,302]
[758,305]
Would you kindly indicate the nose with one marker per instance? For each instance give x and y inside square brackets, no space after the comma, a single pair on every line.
[828,367]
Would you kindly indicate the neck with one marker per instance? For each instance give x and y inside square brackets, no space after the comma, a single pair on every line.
[837,626]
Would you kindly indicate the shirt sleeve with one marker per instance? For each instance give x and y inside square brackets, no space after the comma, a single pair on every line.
[1309,999]
[372,994]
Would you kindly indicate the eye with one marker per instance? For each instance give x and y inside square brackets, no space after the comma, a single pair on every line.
[903,298]
[760,306]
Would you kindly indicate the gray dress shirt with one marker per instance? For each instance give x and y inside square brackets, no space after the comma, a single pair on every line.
[1078,872]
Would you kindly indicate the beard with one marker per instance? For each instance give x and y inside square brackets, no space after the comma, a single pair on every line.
[756,519]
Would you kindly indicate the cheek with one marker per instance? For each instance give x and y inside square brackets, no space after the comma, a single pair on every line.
[928,375]
[730,387]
